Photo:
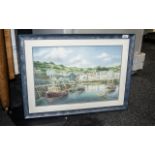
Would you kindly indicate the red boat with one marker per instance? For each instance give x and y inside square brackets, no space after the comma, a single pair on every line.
[56,94]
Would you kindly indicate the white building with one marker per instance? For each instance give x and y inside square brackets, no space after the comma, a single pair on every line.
[103,75]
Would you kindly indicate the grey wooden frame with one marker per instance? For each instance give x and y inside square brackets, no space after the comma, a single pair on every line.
[22,38]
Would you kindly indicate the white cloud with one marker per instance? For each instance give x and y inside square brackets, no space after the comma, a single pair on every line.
[73,57]
[104,57]
[58,54]
[79,61]
[53,54]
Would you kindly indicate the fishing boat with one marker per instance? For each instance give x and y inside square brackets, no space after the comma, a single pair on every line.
[111,88]
[81,89]
[77,89]
[54,92]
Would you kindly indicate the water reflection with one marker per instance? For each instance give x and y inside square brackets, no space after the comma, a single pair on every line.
[95,88]
[91,93]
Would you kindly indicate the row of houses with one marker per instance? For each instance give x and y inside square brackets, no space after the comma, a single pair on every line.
[92,76]
[102,75]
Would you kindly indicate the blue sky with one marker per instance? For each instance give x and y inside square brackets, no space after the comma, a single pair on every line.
[80,56]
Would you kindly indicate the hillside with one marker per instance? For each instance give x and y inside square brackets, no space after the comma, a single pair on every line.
[43,66]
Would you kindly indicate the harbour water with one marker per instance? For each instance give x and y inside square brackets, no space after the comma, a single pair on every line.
[92,93]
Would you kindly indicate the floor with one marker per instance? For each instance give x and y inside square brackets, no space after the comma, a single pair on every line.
[141,109]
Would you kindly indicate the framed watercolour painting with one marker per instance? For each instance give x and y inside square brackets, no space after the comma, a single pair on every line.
[73,74]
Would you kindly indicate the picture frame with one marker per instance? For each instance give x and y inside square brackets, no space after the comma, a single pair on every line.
[76,73]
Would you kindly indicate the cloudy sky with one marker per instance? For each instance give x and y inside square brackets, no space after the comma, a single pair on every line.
[79,56]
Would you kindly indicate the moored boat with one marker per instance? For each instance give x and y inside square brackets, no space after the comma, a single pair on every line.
[56,94]
[77,89]
[81,89]
[111,88]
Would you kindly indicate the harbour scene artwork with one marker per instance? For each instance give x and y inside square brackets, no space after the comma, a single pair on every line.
[76,74]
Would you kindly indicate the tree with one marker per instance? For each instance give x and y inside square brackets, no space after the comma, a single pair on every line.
[52,63]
